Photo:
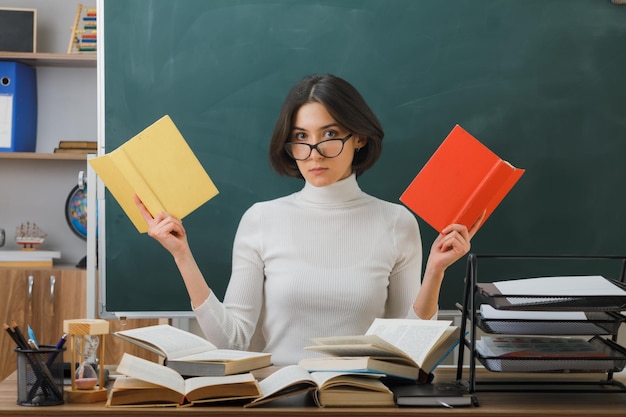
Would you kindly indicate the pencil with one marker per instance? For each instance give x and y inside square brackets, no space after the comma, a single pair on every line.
[12,334]
[20,336]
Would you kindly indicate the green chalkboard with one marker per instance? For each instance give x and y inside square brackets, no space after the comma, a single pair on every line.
[542,83]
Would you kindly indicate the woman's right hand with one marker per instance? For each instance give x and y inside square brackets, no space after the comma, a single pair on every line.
[165,229]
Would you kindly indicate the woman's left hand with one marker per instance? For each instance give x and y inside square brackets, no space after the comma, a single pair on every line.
[452,243]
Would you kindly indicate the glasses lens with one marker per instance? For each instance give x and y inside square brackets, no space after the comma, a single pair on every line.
[330,148]
[298,150]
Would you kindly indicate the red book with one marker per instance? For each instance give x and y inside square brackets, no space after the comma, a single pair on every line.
[462,179]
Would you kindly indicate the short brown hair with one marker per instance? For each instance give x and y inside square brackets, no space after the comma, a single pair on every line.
[344,103]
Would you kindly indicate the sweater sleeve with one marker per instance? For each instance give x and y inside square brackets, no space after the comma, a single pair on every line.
[230,324]
[405,278]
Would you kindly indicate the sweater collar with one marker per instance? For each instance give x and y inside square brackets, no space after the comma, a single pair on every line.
[339,192]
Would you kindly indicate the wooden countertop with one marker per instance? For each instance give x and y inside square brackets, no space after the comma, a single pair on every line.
[501,404]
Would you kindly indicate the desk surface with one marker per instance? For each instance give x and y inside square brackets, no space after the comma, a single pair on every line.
[501,404]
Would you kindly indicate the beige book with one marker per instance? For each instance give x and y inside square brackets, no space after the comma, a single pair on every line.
[191,355]
[151,384]
[159,166]
[421,344]
[361,364]
[329,389]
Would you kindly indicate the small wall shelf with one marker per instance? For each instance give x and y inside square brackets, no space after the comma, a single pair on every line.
[86,60]
[49,156]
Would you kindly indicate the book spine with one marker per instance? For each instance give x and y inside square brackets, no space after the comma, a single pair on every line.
[489,193]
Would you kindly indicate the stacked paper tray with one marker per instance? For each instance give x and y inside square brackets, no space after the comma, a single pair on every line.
[615,361]
[589,323]
[492,295]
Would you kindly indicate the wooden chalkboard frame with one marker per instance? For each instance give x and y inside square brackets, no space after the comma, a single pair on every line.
[18,29]
[540,83]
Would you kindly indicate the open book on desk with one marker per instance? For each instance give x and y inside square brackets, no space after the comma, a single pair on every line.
[329,389]
[150,384]
[192,355]
[403,348]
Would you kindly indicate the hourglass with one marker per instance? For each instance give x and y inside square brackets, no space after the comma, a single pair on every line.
[86,339]
[87,348]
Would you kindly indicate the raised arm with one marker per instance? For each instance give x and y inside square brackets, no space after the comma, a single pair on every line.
[452,244]
[170,233]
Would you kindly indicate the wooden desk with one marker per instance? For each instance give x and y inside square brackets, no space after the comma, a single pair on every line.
[517,404]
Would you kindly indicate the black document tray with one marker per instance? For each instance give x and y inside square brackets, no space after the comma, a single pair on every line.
[491,295]
[614,361]
[597,323]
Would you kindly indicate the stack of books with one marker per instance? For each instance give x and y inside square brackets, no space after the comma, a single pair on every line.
[389,347]
[194,371]
[73,146]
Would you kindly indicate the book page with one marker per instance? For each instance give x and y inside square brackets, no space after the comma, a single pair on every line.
[415,337]
[151,372]
[288,380]
[220,355]
[194,383]
[129,382]
[173,342]
[328,379]
[362,345]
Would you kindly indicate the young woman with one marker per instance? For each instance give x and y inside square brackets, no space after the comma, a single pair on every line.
[326,260]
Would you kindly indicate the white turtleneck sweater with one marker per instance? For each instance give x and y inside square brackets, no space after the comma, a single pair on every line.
[323,261]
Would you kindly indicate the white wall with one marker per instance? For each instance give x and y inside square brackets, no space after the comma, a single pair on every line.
[67,110]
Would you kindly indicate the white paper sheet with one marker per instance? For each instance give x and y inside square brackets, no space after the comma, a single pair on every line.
[6,120]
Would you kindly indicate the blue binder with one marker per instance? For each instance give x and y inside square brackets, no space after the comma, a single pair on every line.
[18,107]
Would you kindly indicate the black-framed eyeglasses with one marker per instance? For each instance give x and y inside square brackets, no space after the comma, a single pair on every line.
[329,148]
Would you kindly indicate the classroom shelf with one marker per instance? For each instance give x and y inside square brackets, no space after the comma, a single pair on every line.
[47,156]
[45,59]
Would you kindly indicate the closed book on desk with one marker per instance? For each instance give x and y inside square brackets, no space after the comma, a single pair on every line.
[462,179]
[432,395]
[192,355]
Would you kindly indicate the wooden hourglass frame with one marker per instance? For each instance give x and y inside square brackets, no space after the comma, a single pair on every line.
[78,329]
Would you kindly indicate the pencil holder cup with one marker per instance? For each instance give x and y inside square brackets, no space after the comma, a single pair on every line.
[40,376]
